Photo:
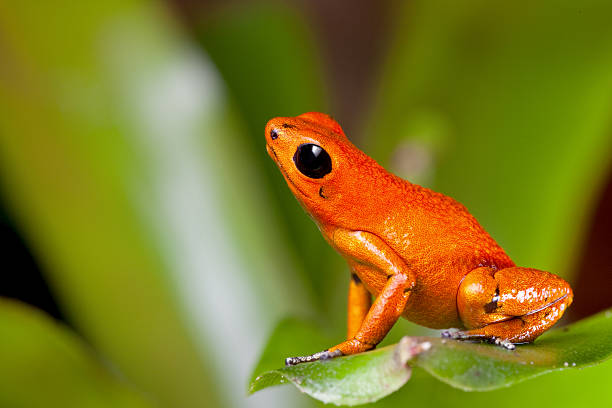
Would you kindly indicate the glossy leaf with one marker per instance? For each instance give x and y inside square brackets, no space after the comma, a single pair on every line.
[345,381]
[468,366]
[481,367]
[45,365]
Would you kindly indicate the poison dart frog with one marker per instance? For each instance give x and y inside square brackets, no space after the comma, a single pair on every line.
[420,254]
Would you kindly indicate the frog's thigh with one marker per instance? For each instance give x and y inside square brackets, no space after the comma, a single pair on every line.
[514,304]
[359,303]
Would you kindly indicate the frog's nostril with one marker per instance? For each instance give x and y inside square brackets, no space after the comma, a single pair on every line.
[273,134]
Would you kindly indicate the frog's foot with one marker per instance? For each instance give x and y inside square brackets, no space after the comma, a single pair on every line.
[321,355]
[469,336]
[511,305]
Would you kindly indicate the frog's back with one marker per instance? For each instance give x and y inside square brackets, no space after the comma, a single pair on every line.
[441,242]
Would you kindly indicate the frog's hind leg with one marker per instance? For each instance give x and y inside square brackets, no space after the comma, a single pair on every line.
[359,303]
[511,305]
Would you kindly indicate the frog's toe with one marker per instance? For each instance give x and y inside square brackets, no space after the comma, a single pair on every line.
[322,355]
[326,355]
[454,334]
[446,334]
[508,345]
[290,361]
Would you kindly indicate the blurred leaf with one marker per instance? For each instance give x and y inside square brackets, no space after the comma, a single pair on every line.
[75,178]
[266,53]
[366,377]
[45,365]
[523,93]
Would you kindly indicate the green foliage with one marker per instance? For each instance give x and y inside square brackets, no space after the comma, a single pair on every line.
[77,180]
[367,377]
[283,77]
[520,95]
[46,365]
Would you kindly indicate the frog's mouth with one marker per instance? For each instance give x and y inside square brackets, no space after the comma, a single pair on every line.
[271,152]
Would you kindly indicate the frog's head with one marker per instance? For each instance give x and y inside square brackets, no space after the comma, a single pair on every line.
[322,168]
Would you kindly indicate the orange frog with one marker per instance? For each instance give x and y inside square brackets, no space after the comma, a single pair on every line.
[421,254]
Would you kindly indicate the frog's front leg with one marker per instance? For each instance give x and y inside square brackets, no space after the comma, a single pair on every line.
[511,305]
[369,250]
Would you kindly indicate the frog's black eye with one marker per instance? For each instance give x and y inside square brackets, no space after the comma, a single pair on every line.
[312,161]
[273,134]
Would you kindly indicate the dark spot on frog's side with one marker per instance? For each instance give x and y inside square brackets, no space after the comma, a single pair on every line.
[492,305]
[288,126]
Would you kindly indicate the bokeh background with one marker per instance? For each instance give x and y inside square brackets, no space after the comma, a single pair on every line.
[152,243]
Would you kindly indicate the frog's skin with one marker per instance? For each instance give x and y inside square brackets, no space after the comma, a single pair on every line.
[419,253]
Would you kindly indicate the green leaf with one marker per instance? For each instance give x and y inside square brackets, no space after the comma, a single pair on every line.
[46,365]
[367,377]
[351,380]
[483,367]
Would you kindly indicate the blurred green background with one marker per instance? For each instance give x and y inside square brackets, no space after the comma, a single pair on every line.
[139,208]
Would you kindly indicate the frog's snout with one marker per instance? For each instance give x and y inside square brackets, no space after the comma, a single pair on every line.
[276,128]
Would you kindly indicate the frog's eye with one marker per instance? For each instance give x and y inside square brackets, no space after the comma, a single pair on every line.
[312,161]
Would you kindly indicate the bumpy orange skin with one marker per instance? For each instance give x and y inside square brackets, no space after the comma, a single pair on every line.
[421,254]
